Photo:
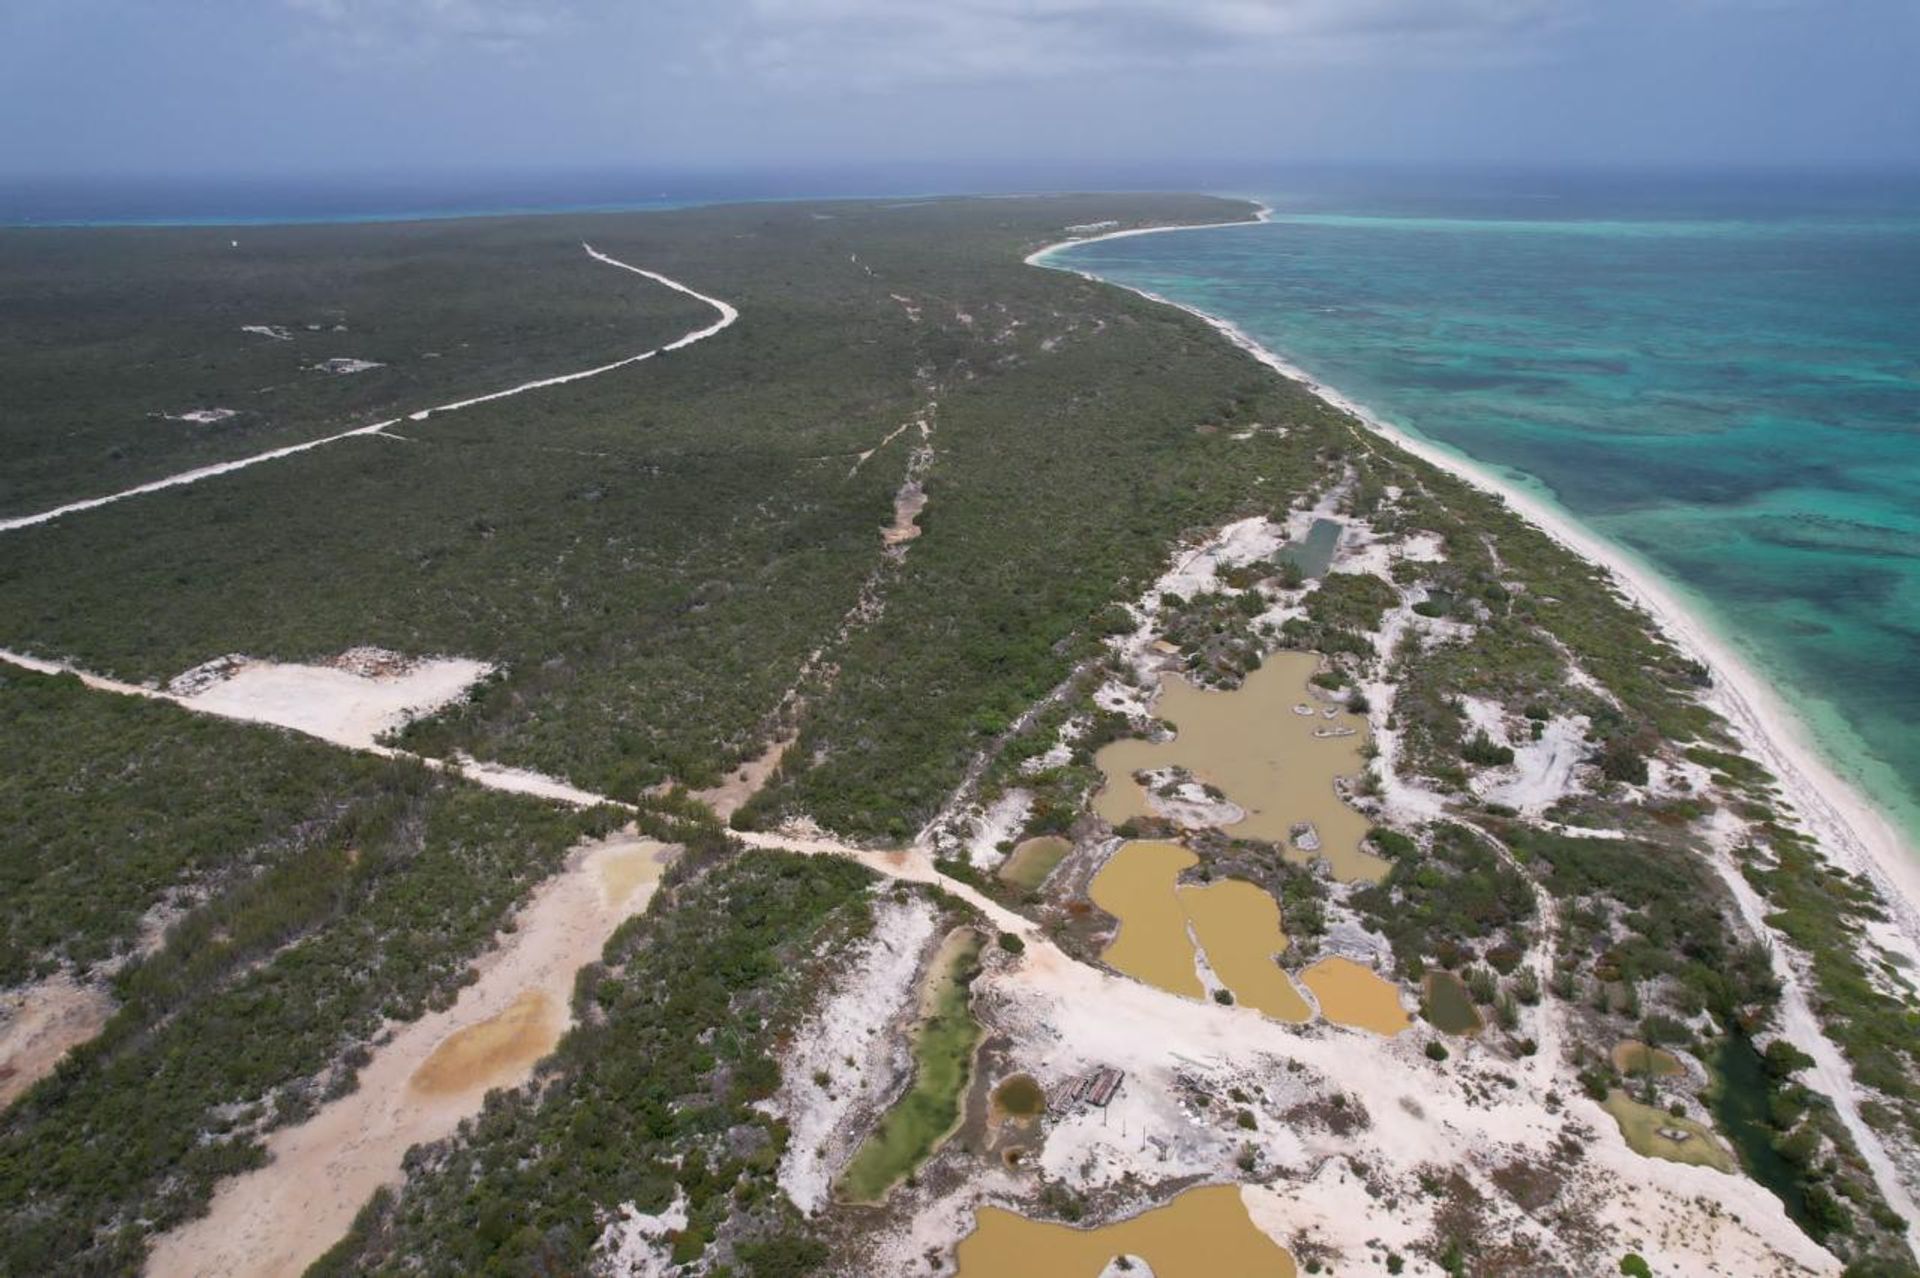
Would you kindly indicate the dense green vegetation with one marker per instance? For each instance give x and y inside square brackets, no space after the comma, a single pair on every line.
[1011,585]
[943,1050]
[651,1095]
[106,335]
[651,555]
[263,999]
[1452,901]
[115,806]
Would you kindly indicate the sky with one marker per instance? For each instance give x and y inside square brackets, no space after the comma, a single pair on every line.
[312,87]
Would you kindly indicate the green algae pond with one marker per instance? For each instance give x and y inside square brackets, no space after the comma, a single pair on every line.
[1029,864]
[1449,1006]
[1313,554]
[943,1048]
[1019,1096]
[1654,1133]
[1742,1109]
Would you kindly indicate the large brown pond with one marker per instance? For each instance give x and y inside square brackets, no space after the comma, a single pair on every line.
[1351,993]
[1204,1233]
[1257,747]
[1136,886]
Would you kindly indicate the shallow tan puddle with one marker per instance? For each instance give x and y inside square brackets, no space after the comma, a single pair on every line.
[623,871]
[1204,1233]
[279,1218]
[1238,925]
[500,1047]
[1136,886]
[1634,1058]
[1259,748]
[1354,994]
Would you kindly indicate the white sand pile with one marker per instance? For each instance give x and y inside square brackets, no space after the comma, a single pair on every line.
[1001,822]
[847,1041]
[334,702]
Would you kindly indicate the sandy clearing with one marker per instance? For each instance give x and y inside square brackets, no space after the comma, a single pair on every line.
[1002,822]
[638,1244]
[1066,1017]
[332,702]
[337,705]
[1063,1017]
[748,779]
[40,1023]
[727,316]
[494,776]
[1542,772]
[278,1219]
[1238,543]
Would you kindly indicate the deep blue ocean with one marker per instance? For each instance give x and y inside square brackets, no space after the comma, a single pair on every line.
[1721,376]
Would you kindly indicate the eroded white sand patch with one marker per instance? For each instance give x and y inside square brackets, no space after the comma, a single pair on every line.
[347,702]
[42,1022]
[278,1219]
[1001,823]
[1543,771]
[638,1244]
[1237,544]
[846,1043]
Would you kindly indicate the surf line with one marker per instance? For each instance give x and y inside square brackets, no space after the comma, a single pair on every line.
[728,314]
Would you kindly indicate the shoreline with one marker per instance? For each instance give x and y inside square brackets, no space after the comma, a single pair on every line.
[1848,829]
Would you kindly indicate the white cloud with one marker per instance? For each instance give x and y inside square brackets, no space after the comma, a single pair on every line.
[888,43]
[413,27]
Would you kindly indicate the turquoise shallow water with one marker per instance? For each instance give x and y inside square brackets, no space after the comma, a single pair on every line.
[1725,383]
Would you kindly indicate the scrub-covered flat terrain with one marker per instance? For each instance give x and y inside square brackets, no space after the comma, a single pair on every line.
[1405,905]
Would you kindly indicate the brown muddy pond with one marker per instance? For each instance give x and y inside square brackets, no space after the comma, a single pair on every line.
[1449,1006]
[1238,925]
[1136,886]
[498,1048]
[1272,747]
[1354,994]
[1204,1233]
[1235,923]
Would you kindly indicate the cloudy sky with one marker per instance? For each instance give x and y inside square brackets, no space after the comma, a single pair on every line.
[330,86]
